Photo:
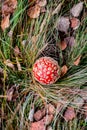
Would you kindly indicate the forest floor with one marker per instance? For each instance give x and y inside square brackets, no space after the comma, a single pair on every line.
[35,29]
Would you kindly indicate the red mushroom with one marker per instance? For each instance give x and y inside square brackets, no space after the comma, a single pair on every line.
[46,70]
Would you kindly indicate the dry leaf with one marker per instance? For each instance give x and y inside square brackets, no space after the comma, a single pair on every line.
[5,22]
[63,45]
[77,61]
[39,114]
[42,3]
[64,70]
[69,114]
[76,9]
[16,51]
[48,119]
[40,125]
[34,12]
[8,7]
[75,23]
[10,94]
[63,24]
[70,41]
[57,10]
[51,109]
[9,64]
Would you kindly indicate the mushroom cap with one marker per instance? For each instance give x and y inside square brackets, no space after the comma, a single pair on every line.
[46,70]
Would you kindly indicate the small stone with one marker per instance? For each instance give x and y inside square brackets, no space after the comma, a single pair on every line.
[63,24]
[70,41]
[76,9]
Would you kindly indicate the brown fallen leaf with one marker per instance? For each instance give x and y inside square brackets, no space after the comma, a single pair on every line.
[69,114]
[8,7]
[64,70]
[16,51]
[63,24]
[50,109]
[39,114]
[48,119]
[34,12]
[75,23]
[40,125]
[63,45]
[76,9]
[9,64]
[5,22]
[77,61]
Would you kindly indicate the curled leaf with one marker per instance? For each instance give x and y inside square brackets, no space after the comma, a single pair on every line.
[64,70]
[34,12]
[63,45]
[77,61]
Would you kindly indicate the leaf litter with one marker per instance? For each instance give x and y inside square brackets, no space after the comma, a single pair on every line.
[42,118]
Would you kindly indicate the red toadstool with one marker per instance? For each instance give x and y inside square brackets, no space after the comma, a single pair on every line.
[46,70]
